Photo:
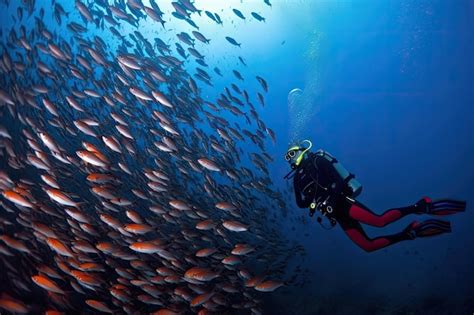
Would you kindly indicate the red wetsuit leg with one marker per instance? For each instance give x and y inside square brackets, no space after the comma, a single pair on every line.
[357,234]
[363,214]
[350,214]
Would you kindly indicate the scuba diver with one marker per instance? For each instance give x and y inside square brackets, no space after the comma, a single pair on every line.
[321,183]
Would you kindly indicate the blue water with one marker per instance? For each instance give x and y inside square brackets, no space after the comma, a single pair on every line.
[393,86]
[395,99]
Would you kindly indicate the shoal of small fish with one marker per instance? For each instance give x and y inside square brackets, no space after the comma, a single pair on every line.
[123,188]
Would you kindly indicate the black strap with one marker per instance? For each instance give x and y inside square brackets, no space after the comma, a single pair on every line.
[348,178]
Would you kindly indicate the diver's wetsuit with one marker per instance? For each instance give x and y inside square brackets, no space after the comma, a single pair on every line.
[316,180]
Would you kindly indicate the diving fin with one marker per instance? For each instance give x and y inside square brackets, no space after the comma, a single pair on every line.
[428,228]
[439,207]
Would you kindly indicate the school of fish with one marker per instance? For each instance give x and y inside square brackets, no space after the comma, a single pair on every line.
[123,189]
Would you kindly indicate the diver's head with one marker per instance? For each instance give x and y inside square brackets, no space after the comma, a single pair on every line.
[296,153]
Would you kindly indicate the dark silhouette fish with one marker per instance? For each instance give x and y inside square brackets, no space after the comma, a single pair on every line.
[216,70]
[238,75]
[258,17]
[200,37]
[263,83]
[232,41]
[238,13]
[211,16]
[218,18]
[190,6]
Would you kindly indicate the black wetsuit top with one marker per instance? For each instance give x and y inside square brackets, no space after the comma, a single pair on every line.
[317,180]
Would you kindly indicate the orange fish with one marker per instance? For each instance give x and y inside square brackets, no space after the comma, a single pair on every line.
[201,299]
[11,305]
[15,244]
[268,286]
[100,306]
[85,278]
[136,228]
[201,274]
[234,226]
[146,247]
[47,284]
[205,252]
[16,198]
[59,247]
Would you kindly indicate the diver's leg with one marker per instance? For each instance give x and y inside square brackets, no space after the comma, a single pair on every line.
[356,233]
[427,228]
[361,213]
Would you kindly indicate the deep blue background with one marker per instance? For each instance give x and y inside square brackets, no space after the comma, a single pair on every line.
[395,105]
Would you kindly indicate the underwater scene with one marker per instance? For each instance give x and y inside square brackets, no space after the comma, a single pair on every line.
[236,157]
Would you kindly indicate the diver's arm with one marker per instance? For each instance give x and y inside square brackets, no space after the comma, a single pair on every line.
[302,203]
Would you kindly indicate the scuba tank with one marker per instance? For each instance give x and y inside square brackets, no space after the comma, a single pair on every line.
[355,188]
